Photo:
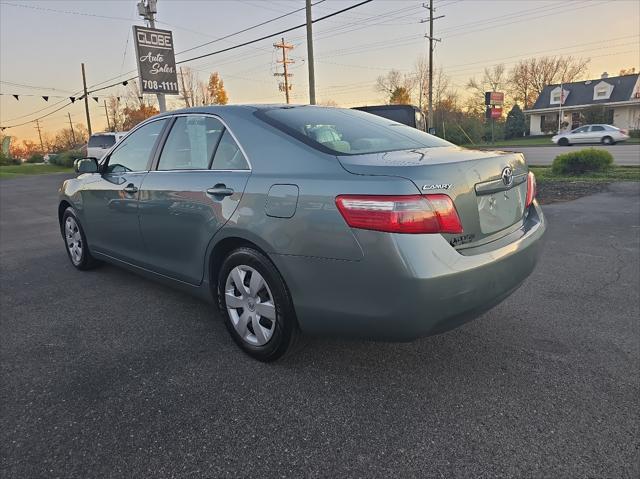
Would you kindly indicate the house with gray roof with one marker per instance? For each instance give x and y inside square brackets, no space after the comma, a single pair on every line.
[618,97]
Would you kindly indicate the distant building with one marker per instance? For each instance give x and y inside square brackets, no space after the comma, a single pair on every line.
[617,97]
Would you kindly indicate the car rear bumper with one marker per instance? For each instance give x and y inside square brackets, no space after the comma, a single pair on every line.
[408,286]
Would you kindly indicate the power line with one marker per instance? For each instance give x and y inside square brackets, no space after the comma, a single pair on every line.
[264,37]
[248,28]
[346,9]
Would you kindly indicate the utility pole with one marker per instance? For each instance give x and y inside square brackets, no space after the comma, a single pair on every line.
[285,62]
[40,135]
[86,99]
[106,112]
[311,66]
[147,9]
[184,90]
[73,133]
[431,48]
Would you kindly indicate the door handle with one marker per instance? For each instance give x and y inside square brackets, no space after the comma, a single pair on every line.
[220,190]
[131,189]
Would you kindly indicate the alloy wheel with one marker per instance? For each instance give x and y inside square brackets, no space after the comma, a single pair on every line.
[250,305]
[74,240]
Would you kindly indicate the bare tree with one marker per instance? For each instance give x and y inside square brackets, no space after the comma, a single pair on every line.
[394,81]
[114,110]
[493,79]
[528,78]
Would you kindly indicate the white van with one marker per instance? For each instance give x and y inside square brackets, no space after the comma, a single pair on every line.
[100,143]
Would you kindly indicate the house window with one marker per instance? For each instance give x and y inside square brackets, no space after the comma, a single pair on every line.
[602,91]
[556,98]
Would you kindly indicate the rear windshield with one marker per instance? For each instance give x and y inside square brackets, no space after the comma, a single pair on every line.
[347,132]
[102,141]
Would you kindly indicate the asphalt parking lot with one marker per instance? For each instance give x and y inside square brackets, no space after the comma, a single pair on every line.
[106,374]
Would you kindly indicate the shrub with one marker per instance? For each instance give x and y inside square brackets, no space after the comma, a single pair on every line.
[582,161]
[634,133]
[6,160]
[35,158]
[67,158]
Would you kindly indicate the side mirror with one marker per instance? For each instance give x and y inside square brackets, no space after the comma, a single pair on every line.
[86,165]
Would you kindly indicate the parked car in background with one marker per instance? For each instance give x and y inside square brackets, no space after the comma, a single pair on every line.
[605,134]
[49,157]
[303,218]
[406,114]
[100,143]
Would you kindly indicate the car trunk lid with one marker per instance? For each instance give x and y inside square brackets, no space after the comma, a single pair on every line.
[488,188]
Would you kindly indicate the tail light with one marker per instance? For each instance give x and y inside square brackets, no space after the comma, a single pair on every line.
[413,214]
[624,132]
[531,188]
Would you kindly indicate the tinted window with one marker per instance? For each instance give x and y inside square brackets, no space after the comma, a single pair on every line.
[582,129]
[228,155]
[134,151]
[191,143]
[350,132]
[102,141]
[401,115]
[597,128]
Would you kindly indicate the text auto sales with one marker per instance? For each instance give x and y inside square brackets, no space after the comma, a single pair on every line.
[155,40]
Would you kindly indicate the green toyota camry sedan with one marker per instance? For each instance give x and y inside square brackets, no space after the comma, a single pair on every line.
[304,219]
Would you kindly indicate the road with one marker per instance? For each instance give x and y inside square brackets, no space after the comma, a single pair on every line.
[544,155]
[106,374]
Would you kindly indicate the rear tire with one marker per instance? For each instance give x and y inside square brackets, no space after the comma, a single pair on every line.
[256,305]
[76,241]
[607,140]
[563,142]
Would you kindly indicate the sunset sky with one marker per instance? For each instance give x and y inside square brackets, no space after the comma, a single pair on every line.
[43,43]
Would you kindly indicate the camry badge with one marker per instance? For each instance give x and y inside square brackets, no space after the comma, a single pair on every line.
[442,186]
[507,176]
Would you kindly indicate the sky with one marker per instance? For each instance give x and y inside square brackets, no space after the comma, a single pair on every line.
[43,43]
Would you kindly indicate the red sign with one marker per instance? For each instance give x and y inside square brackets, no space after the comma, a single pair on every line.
[496,112]
[493,98]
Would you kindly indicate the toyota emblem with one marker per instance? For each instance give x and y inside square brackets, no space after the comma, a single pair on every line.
[507,176]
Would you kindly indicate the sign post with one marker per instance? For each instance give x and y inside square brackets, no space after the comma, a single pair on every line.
[493,101]
[156,61]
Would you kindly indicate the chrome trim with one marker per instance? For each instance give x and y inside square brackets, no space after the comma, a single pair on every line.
[495,186]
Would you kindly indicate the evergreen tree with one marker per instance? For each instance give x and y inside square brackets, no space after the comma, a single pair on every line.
[515,126]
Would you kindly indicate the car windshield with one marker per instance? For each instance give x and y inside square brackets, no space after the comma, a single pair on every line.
[347,132]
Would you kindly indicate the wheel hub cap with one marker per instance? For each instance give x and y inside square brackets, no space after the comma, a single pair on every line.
[250,305]
[74,240]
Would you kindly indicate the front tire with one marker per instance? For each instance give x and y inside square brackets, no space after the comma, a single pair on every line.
[256,305]
[76,241]
[563,142]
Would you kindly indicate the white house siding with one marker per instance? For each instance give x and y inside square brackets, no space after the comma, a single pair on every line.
[627,117]
[535,125]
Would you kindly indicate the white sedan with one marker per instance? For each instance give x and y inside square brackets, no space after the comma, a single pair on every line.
[605,134]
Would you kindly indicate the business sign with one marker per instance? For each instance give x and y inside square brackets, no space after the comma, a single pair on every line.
[156,61]
[493,98]
[493,112]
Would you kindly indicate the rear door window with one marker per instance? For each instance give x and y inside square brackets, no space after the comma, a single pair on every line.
[597,128]
[191,143]
[347,132]
[229,155]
